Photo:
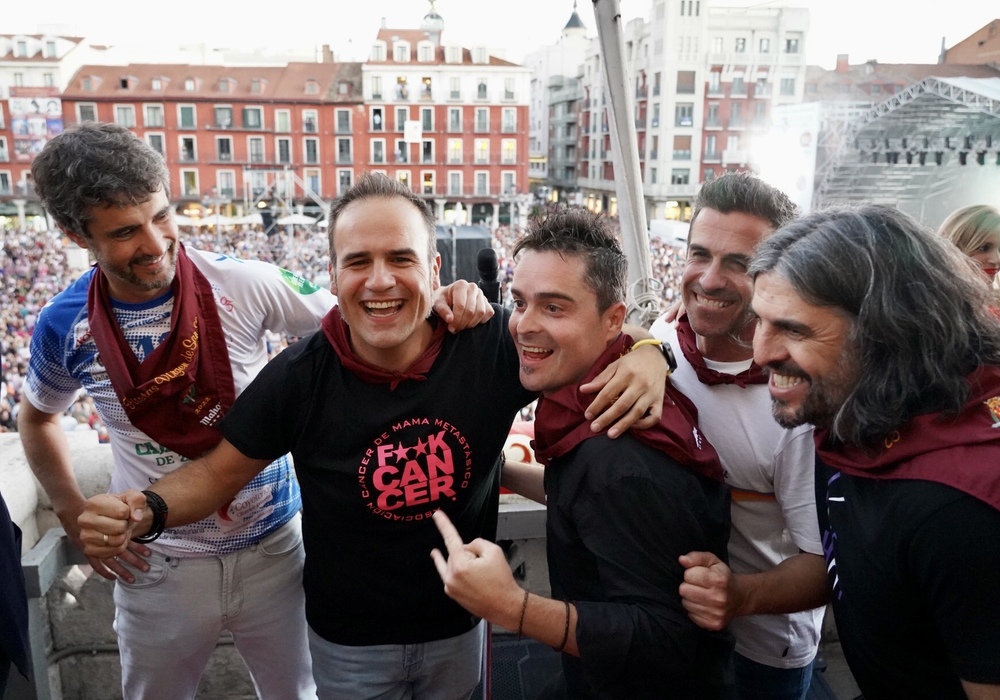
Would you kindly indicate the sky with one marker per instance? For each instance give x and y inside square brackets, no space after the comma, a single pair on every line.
[890,31]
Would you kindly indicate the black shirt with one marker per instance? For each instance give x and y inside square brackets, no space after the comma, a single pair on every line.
[620,513]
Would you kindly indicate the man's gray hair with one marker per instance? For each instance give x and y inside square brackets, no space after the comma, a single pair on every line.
[96,164]
[921,318]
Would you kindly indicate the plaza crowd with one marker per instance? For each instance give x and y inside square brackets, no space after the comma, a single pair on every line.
[33,268]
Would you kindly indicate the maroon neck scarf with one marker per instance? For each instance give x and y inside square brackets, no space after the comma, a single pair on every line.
[560,424]
[181,390]
[689,346]
[961,451]
[337,332]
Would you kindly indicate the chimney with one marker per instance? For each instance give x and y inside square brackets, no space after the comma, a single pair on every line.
[383,25]
[842,63]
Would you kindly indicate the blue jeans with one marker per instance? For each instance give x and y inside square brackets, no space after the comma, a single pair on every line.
[756,681]
[168,622]
[445,669]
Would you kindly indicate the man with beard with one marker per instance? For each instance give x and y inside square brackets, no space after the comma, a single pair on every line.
[879,333]
[163,338]
[424,428]
[776,579]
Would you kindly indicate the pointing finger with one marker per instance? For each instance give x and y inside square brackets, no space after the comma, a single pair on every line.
[452,540]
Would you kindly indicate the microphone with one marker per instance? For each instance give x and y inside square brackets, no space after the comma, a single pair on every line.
[489,270]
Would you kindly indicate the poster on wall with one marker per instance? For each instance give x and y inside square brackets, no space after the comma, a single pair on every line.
[34,119]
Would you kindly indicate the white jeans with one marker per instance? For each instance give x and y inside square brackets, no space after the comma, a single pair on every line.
[168,622]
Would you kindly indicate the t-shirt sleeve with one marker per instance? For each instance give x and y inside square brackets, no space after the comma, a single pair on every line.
[48,385]
[263,422]
[795,488]
[635,529]
[289,303]
[956,559]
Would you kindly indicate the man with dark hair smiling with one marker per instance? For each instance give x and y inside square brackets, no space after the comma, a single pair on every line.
[879,333]
[619,513]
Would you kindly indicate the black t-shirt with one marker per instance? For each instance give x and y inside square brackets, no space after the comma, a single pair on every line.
[374,464]
[914,570]
[619,515]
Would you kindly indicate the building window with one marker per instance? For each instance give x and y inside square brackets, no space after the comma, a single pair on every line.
[761,88]
[454,88]
[482,151]
[787,86]
[50,49]
[188,153]
[684,114]
[402,115]
[154,116]
[343,121]
[760,113]
[791,45]
[426,89]
[255,86]
[482,92]
[454,184]
[253,118]
[711,147]
[125,116]
[282,121]
[86,83]
[709,174]
[156,84]
[765,45]
[186,116]
[223,85]
[223,117]
[741,45]
[425,52]
[378,151]
[715,82]
[509,120]
[312,178]
[682,147]
[311,148]
[312,87]
[508,89]
[427,152]
[685,82]
[680,176]
[507,183]
[427,119]
[189,183]
[455,119]
[482,183]
[402,151]
[401,52]
[403,178]
[378,52]
[655,119]
[378,119]
[739,87]
[49,80]
[310,121]
[508,151]
[155,142]
[454,151]
[344,178]
[482,120]
[226,183]
[189,84]
[376,87]
[283,147]
[22,49]
[427,182]
[402,89]
[344,151]
[255,145]
[717,44]
[736,115]
[224,147]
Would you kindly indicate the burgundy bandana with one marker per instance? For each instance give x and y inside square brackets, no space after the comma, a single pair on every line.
[961,451]
[181,390]
[560,424]
[689,346]
[337,332]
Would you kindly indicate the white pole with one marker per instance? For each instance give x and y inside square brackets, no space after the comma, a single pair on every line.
[643,303]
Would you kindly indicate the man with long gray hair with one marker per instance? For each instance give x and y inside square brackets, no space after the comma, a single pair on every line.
[878,333]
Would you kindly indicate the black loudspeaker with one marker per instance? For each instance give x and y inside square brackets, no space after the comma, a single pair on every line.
[523,670]
[463,249]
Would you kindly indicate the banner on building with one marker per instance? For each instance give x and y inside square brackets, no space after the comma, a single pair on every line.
[35,117]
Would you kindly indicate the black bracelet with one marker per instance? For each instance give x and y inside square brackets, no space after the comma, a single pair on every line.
[565,629]
[159,508]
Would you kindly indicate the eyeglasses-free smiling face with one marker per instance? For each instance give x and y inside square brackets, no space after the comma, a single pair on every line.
[806,350]
[135,246]
[555,322]
[384,280]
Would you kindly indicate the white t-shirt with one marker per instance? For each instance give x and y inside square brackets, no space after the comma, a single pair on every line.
[771,470]
[252,296]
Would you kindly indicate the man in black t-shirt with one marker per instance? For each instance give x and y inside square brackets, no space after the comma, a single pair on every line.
[879,333]
[388,419]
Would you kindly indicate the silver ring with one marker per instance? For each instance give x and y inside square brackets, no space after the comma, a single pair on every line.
[105,539]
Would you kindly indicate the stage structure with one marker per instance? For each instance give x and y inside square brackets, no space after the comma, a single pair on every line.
[929,149]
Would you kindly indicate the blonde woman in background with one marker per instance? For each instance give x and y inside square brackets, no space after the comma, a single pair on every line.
[976,232]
